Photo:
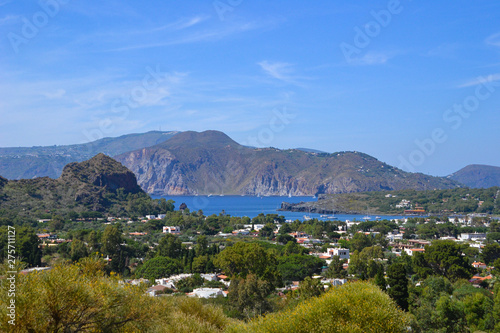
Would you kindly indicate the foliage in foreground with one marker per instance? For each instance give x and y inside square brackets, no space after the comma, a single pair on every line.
[354,307]
[81,298]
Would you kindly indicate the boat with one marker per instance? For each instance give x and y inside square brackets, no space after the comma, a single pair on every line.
[289,195]
[307,218]
[366,218]
[331,217]
[377,217]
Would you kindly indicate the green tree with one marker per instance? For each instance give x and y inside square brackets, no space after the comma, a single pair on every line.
[359,241]
[78,250]
[310,288]
[443,258]
[296,267]
[249,296]
[169,246]
[243,258]
[336,269]
[490,253]
[27,246]
[159,267]
[398,285]
[380,280]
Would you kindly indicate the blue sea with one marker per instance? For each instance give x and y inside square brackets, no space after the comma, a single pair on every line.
[252,206]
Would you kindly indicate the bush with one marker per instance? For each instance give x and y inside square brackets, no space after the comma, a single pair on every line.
[354,307]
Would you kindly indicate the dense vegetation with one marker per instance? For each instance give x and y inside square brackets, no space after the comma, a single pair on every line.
[451,201]
[80,297]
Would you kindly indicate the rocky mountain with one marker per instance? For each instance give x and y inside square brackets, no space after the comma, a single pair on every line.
[93,185]
[212,163]
[31,162]
[478,176]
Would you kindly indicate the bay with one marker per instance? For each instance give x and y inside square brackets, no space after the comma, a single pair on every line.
[252,206]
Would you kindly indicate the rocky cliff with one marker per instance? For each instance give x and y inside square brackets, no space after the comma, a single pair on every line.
[87,186]
[212,163]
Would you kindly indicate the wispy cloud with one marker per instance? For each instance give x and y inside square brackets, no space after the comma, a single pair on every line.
[206,35]
[372,58]
[278,70]
[481,80]
[493,39]
[8,19]
[181,24]
[447,50]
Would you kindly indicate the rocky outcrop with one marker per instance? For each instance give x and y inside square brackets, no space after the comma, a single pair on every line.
[103,172]
[211,163]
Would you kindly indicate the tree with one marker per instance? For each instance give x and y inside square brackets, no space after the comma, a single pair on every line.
[353,307]
[443,258]
[159,267]
[310,288]
[243,258]
[284,239]
[249,296]
[267,231]
[78,250]
[201,245]
[380,280]
[398,285]
[27,246]
[359,241]
[111,241]
[169,246]
[296,267]
[490,253]
[336,269]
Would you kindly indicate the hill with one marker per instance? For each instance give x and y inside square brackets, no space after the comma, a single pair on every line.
[31,162]
[99,184]
[212,163]
[446,202]
[478,176]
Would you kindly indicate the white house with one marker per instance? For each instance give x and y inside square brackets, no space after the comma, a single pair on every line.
[340,252]
[161,216]
[172,230]
[474,236]
[207,292]
[150,217]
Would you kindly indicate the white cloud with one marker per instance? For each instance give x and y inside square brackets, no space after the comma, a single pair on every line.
[481,80]
[372,58]
[54,94]
[8,19]
[493,39]
[278,70]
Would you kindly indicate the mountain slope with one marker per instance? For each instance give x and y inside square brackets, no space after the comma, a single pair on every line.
[478,176]
[87,186]
[25,163]
[212,163]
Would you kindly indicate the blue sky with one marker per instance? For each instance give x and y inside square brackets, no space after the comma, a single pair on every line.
[415,84]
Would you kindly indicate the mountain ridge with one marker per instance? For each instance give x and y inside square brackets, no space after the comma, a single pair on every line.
[478,176]
[210,162]
[49,161]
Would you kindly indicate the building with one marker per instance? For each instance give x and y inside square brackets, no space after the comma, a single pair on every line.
[172,230]
[474,236]
[207,293]
[340,252]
